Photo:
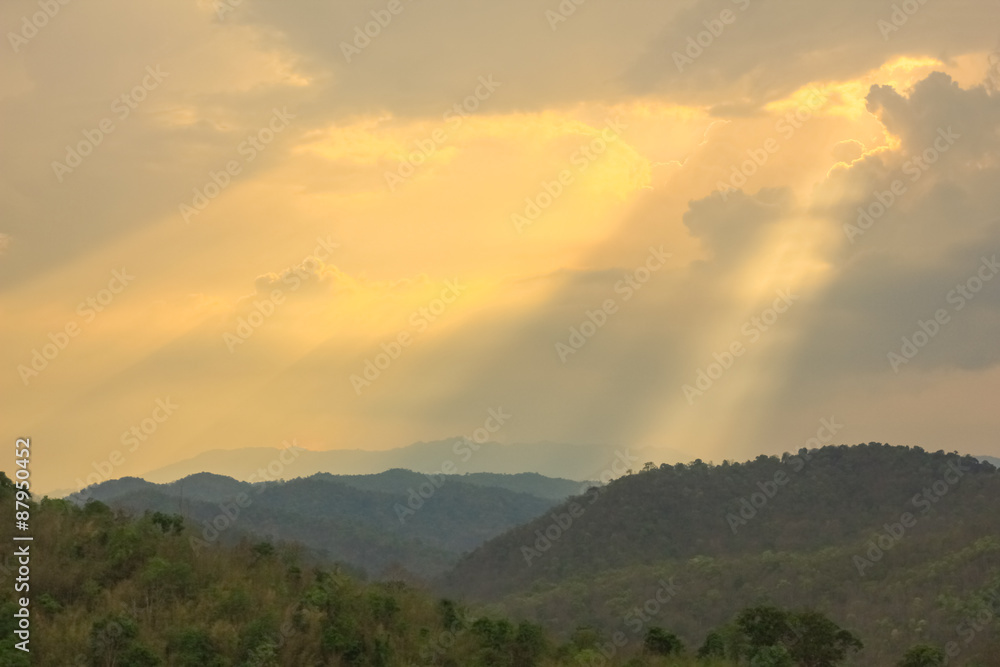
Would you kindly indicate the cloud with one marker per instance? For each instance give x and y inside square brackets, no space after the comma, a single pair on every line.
[311,275]
[683,134]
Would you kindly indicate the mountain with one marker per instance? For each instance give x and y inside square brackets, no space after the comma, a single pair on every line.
[394,519]
[899,542]
[110,589]
[990,459]
[454,456]
[530,483]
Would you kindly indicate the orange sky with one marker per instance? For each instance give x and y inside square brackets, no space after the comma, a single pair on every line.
[215,210]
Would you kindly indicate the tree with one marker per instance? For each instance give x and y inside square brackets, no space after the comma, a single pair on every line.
[820,642]
[660,642]
[168,522]
[714,646]
[138,655]
[193,647]
[110,638]
[809,637]
[923,655]
[772,656]
[262,550]
[529,644]
[764,626]
[450,617]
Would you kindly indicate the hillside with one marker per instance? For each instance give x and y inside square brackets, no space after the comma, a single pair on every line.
[112,591]
[807,541]
[392,520]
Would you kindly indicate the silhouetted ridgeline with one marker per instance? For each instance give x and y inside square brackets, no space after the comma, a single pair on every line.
[373,522]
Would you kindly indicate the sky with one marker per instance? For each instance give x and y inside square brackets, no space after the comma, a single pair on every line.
[710,228]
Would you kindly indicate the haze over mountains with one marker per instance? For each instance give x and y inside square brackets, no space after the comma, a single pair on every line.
[401,519]
[897,543]
[455,455]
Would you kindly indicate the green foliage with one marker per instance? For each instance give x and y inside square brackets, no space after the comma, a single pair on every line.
[138,655]
[794,545]
[9,655]
[923,655]
[258,637]
[168,523]
[660,642]
[165,580]
[121,591]
[235,604]
[828,497]
[714,646]
[771,656]
[764,626]
[262,550]
[49,604]
[450,617]
[110,638]
[808,638]
[819,641]
[193,647]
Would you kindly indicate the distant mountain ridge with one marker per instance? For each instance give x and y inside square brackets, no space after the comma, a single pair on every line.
[556,460]
[397,518]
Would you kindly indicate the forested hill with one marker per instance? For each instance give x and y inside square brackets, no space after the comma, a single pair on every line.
[115,591]
[807,501]
[900,543]
[373,522]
